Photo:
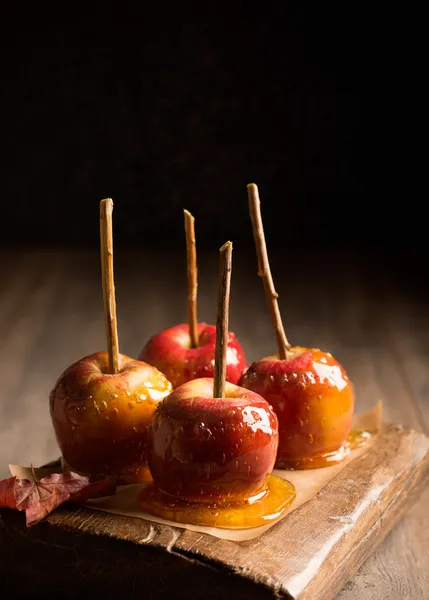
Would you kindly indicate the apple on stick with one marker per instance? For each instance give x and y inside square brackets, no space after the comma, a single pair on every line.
[187,351]
[308,389]
[102,405]
[212,446]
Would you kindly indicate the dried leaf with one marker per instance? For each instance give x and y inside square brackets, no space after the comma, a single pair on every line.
[39,498]
[7,493]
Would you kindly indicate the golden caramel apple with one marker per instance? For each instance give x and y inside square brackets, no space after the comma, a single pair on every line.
[314,402]
[101,419]
[209,449]
[308,389]
[213,446]
[211,458]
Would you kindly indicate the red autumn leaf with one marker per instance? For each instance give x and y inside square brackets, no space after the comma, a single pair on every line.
[7,493]
[39,498]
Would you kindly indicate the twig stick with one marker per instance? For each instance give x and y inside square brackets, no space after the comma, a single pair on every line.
[225,267]
[106,239]
[191,259]
[264,270]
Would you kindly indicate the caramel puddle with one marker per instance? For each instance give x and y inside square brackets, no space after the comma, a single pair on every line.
[355,439]
[263,508]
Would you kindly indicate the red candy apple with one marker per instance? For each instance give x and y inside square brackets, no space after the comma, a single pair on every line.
[206,449]
[313,399]
[102,406]
[212,446]
[187,351]
[171,352]
[309,390]
[102,419]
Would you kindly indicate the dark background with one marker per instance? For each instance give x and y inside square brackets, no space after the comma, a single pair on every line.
[164,106]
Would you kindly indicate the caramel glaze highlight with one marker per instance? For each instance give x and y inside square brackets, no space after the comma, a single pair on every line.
[314,402]
[265,507]
[211,458]
[102,420]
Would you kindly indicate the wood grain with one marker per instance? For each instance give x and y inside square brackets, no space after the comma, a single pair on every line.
[377,309]
[51,313]
[309,554]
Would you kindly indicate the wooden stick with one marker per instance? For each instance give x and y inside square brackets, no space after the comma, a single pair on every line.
[106,239]
[264,270]
[191,260]
[225,267]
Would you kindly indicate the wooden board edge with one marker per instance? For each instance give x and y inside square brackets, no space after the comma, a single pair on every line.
[414,476]
[366,546]
[230,557]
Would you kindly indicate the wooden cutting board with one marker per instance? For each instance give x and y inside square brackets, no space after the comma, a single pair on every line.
[311,553]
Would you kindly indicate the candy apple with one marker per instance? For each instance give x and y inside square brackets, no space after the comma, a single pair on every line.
[314,402]
[102,405]
[209,449]
[187,351]
[212,446]
[102,419]
[171,352]
[309,390]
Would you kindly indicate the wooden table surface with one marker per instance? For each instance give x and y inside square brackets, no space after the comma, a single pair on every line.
[370,311]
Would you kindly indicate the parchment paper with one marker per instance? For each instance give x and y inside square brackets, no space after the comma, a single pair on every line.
[306,482]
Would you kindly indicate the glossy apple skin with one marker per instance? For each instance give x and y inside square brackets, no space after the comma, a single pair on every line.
[205,449]
[313,399]
[102,420]
[170,351]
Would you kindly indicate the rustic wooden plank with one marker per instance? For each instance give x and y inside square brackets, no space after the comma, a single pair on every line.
[310,554]
[399,568]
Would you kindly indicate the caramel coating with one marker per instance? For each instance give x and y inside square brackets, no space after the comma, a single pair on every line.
[314,402]
[170,351]
[102,420]
[205,449]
